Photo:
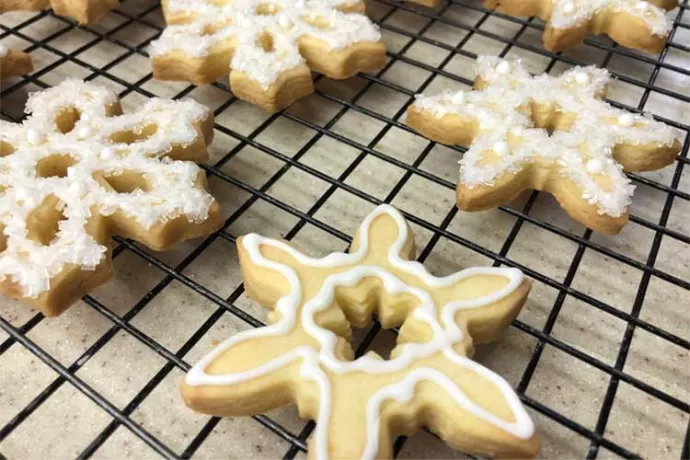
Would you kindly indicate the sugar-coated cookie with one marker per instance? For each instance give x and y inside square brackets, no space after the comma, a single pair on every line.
[269,47]
[77,171]
[554,134]
[638,24]
[14,63]
[82,11]
[360,405]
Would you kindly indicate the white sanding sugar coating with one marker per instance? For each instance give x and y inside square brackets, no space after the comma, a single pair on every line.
[446,333]
[569,13]
[89,145]
[596,130]
[211,23]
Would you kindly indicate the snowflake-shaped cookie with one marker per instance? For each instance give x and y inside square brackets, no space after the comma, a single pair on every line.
[82,11]
[14,63]
[76,171]
[546,133]
[268,46]
[636,24]
[360,405]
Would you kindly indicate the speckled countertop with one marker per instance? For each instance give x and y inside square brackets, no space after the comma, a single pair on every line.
[128,344]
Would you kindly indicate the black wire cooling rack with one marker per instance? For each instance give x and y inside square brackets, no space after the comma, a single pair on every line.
[18,335]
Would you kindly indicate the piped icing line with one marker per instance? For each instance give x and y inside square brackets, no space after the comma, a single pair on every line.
[499,110]
[566,14]
[89,144]
[210,24]
[444,335]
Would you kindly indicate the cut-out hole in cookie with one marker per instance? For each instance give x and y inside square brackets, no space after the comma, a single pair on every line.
[67,119]
[267,9]
[211,29]
[317,21]
[6,149]
[43,223]
[128,181]
[54,165]
[130,137]
[3,239]
[265,41]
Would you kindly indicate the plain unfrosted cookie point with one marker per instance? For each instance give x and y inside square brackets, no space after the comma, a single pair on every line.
[82,11]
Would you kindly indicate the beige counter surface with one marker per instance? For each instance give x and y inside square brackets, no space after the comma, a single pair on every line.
[600,350]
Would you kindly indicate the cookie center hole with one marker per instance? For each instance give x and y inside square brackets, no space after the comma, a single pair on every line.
[211,29]
[128,182]
[5,149]
[43,223]
[317,21]
[133,136]
[267,9]
[54,165]
[265,41]
[3,239]
[382,344]
[67,119]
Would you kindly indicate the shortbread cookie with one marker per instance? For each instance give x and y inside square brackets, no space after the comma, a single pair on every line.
[636,24]
[554,134]
[268,47]
[14,63]
[360,405]
[82,11]
[76,172]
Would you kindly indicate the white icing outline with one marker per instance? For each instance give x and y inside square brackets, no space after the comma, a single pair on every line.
[496,109]
[445,335]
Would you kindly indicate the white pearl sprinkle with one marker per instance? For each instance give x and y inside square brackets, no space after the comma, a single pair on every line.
[569,8]
[3,51]
[458,98]
[595,166]
[108,153]
[501,148]
[84,132]
[33,136]
[283,22]
[503,67]
[626,119]
[582,78]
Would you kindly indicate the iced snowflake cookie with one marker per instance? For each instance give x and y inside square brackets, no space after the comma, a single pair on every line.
[633,23]
[268,46]
[14,63]
[77,171]
[554,134]
[82,11]
[360,405]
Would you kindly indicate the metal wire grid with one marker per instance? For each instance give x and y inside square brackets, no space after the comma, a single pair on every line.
[175,359]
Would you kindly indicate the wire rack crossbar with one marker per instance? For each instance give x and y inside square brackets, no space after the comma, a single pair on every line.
[175,359]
